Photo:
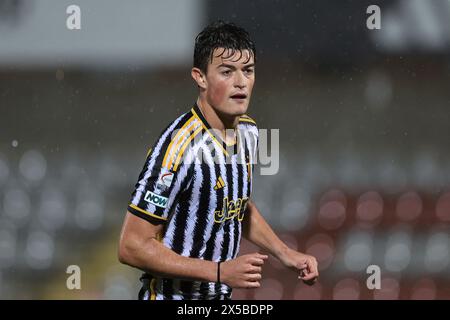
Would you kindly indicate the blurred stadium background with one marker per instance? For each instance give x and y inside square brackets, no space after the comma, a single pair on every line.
[364,138]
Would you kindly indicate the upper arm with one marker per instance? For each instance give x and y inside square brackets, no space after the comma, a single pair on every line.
[135,233]
[139,229]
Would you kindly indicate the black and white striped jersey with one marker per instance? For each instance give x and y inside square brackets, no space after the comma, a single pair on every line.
[198,187]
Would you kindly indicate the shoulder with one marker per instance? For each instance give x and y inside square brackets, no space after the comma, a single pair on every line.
[183,123]
[177,138]
[246,123]
[178,123]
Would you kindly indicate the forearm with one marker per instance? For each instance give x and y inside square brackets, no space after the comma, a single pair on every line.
[258,231]
[155,258]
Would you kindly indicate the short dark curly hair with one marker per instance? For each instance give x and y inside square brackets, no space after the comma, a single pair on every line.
[220,34]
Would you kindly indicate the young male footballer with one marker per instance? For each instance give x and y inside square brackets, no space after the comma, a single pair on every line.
[192,202]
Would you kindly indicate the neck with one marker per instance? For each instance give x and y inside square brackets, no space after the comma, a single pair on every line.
[215,119]
[218,121]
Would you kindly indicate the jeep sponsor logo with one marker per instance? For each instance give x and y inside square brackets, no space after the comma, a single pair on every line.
[231,209]
[155,199]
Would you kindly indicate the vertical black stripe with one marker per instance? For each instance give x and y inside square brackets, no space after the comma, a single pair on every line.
[203,207]
[186,289]
[181,221]
[227,223]
[167,288]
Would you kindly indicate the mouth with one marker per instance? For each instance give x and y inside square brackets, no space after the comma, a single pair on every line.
[239,97]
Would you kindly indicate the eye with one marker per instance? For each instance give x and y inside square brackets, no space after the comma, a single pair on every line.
[226,72]
[249,71]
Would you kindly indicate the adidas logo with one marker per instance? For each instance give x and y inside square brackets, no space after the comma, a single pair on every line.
[219,184]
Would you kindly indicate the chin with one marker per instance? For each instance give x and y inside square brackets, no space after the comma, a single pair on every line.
[240,109]
[233,109]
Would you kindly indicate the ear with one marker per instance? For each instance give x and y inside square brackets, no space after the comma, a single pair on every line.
[199,77]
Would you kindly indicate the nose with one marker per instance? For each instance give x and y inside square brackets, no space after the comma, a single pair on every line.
[240,81]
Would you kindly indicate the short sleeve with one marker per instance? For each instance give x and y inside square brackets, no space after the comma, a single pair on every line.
[159,185]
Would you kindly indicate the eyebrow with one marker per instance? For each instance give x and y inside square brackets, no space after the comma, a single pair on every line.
[233,67]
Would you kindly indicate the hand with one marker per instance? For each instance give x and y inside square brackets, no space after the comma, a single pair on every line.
[303,263]
[243,272]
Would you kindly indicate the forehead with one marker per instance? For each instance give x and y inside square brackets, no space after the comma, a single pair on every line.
[231,56]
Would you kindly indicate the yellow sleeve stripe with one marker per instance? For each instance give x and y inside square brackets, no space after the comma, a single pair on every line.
[187,136]
[177,162]
[174,149]
[175,139]
[146,212]
[245,116]
[170,148]
[247,120]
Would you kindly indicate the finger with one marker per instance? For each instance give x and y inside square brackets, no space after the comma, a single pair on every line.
[254,277]
[308,276]
[256,261]
[316,265]
[261,256]
[313,266]
[316,272]
[303,273]
[254,269]
[302,266]
[252,284]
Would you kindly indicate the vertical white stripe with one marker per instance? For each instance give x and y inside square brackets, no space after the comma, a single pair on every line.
[170,232]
